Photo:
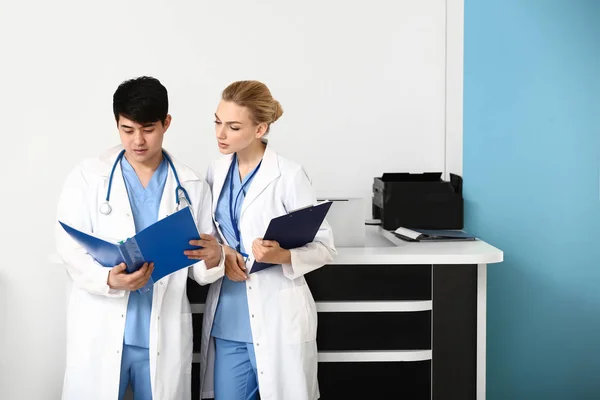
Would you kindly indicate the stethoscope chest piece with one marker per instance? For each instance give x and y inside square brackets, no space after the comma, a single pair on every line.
[105,208]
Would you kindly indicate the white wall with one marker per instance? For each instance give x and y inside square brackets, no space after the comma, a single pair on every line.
[362,84]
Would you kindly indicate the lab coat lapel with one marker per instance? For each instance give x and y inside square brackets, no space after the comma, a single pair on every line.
[220,170]
[267,173]
[168,202]
[220,174]
[168,206]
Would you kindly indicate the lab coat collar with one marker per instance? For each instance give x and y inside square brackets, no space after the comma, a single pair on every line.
[108,158]
[267,173]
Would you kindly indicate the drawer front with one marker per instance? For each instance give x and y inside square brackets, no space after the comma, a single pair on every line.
[196,380]
[351,331]
[370,282]
[374,331]
[375,380]
[196,293]
[364,381]
[356,283]
[197,327]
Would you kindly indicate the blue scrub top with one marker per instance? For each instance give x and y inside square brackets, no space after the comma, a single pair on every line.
[145,205]
[232,320]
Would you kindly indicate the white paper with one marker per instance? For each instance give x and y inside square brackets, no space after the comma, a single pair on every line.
[407,233]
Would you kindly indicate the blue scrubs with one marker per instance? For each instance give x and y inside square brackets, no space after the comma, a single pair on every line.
[135,364]
[235,371]
[135,369]
[235,364]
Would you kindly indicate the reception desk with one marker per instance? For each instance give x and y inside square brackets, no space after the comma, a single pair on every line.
[397,320]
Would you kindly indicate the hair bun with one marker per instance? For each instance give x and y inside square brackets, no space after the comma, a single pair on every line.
[277,110]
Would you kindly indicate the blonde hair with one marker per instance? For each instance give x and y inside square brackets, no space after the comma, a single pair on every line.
[257,98]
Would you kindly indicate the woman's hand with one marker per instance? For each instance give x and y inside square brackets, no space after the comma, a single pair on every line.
[269,251]
[235,266]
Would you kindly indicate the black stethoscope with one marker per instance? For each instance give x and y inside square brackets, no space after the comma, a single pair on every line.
[233,205]
[105,207]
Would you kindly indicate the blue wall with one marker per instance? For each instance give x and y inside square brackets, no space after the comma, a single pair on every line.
[532,176]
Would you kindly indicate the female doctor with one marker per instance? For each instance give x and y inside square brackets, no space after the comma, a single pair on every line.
[259,330]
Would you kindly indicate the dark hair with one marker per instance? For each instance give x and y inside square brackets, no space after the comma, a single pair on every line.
[143,100]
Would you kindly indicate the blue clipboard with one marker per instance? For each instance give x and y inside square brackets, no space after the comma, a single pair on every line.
[294,229]
[162,243]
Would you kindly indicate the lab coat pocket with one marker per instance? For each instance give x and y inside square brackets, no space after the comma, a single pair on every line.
[298,315]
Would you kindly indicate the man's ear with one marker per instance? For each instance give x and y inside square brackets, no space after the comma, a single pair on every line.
[167,122]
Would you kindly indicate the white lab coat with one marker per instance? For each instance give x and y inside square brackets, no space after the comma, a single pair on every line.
[283,315]
[97,313]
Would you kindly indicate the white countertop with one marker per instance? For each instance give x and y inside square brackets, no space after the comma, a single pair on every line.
[382,247]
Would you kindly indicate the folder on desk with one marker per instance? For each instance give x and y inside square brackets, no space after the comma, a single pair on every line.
[294,229]
[162,243]
[427,235]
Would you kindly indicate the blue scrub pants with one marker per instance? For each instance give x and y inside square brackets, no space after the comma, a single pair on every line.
[135,368]
[235,371]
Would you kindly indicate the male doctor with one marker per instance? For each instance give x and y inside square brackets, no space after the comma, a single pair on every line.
[116,335]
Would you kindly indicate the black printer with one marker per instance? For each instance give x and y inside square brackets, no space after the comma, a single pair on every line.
[421,201]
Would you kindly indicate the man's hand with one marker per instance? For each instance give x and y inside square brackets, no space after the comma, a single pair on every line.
[210,251]
[269,251]
[235,266]
[119,279]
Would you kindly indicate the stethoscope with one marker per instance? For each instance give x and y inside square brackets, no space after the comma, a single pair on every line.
[233,204]
[105,207]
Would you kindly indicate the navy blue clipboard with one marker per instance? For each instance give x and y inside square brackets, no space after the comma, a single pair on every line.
[162,243]
[294,229]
